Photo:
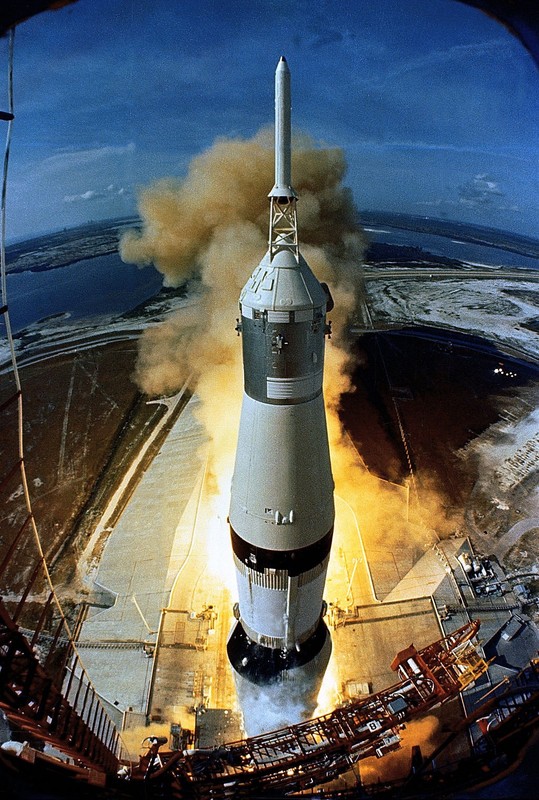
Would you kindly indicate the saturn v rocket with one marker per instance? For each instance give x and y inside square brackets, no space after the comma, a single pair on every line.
[282,512]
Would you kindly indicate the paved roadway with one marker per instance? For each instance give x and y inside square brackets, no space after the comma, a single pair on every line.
[192,667]
[464,273]
[103,523]
[139,564]
[514,533]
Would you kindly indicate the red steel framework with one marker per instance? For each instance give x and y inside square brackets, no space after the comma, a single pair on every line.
[311,753]
[35,702]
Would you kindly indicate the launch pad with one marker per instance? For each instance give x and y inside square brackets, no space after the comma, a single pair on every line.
[186,670]
[379,600]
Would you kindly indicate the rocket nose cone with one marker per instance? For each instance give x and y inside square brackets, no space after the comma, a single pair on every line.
[282,65]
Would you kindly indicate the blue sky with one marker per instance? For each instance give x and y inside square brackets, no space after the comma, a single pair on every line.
[435,104]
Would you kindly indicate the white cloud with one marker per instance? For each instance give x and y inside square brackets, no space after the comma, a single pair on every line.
[74,159]
[420,145]
[481,195]
[110,192]
[481,190]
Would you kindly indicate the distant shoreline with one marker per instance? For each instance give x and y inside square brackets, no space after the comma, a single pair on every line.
[66,247]
[61,249]
[463,231]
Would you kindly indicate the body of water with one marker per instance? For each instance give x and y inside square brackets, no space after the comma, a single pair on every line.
[105,285]
[439,245]
[95,286]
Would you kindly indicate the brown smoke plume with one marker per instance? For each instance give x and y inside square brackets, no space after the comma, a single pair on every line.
[211,229]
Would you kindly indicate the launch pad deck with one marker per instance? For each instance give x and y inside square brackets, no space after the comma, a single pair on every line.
[180,664]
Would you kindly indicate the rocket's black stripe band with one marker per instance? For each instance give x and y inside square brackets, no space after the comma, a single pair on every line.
[294,561]
[261,664]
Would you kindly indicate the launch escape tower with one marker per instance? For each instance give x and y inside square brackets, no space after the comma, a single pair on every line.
[282,512]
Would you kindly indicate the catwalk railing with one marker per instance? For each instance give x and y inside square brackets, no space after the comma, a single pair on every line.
[43,708]
[45,693]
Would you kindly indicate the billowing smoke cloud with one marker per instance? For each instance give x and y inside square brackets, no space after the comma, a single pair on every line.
[264,710]
[210,230]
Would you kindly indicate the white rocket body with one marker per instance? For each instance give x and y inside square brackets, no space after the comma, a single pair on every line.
[281,511]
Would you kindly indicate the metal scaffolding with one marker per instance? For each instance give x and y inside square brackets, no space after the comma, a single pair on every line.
[309,754]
